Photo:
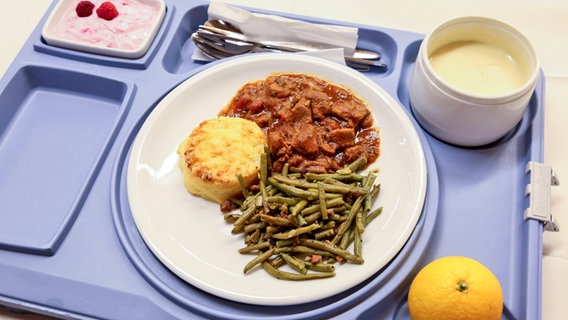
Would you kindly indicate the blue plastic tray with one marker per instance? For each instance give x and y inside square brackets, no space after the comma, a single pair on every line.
[68,243]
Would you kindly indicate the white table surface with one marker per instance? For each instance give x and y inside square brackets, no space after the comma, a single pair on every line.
[544,22]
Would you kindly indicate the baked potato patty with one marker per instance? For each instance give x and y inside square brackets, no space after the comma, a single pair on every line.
[216,152]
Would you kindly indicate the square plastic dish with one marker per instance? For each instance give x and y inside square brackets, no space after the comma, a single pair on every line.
[129,35]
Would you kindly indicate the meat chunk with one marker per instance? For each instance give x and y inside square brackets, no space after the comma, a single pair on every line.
[328,148]
[316,95]
[320,109]
[305,140]
[278,87]
[320,103]
[313,166]
[276,141]
[301,111]
[350,111]
[344,137]
[352,153]
[261,119]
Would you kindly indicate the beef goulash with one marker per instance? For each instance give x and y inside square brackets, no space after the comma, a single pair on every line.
[311,124]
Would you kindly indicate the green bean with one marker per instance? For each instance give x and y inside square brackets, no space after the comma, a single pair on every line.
[324,234]
[258,259]
[300,219]
[244,189]
[337,217]
[323,267]
[347,237]
[263,171]
[345,226]
[277,261]
[360,220]
[357,164]
[375,213]
[284,243]
[323,207]
[331,248]
[281,199]
[329,203]
[254,219]
[329,225]
[302,249]
[264,193]
[294,220]
[296,232]
[250,202]
[239,224]
[279,274]
[335,182]
[254,226]
[268,159]
[313,217]
[332,188]
[294,263]
[253,237]
[335,176]
[285,169]
[357,243]
[231,217]
[370,217]
[371,198]
[338,210]
[290,190]
[299,206]
[255,247]
[279,221]
[369,180]
[273,229]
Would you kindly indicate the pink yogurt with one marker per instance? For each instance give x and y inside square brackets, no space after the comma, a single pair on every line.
[127,31]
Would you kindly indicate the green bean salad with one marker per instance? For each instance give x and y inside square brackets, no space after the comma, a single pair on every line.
[309,222]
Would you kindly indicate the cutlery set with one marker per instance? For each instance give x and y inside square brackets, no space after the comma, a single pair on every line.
[219,39]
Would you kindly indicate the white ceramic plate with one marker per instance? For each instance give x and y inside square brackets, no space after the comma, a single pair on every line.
[189,235]
[65,11]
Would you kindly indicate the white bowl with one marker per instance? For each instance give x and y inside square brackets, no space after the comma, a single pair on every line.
[129,35]
[472,80]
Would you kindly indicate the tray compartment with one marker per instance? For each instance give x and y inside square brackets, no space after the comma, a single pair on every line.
[379,41]
[40,45]
[55,128]
[177,58]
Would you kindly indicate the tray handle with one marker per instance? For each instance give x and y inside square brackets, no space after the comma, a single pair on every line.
[542,178]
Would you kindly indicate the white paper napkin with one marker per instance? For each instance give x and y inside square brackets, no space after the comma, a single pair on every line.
[260,27]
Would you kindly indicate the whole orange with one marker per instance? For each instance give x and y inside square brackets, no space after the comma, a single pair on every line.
[455,287]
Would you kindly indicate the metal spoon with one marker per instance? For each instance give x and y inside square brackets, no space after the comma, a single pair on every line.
[227,26]
[207,49]
[222,24]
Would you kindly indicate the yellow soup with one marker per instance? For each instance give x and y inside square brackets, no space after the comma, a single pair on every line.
[478,67]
